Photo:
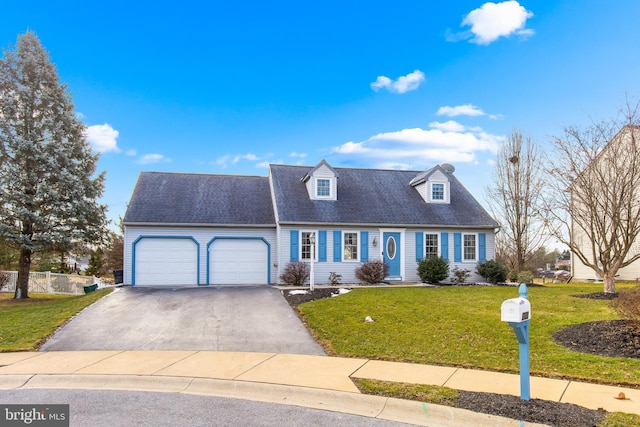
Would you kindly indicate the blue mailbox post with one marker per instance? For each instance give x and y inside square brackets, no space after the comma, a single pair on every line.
[517,312]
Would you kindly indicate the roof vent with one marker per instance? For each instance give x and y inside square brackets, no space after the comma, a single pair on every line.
[448,168]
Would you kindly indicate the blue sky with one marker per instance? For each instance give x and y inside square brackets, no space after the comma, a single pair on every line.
[229,87]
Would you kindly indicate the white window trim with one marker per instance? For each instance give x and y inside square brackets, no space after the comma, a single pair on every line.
[476,255]
[357,245]
[326,178]
[445,185]
[438,243]
[315,251]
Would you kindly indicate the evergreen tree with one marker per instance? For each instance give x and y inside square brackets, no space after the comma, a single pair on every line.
[48,181]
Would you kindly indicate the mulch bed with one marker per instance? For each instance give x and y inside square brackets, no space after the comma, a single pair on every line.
[616,338]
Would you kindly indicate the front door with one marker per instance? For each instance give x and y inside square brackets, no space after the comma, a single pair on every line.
[391,253]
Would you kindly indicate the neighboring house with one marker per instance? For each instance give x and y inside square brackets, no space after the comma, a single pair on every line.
[191,229]
[613,157]
[563,261]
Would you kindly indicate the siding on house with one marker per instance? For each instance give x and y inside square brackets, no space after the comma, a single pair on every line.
[409,260]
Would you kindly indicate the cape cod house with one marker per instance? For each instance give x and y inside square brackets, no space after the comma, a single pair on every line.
[196,229]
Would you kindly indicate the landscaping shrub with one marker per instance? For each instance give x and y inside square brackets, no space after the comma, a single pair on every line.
[433,269]
[492,270]
[627,305]
[460,275]
[334,278]
[372,272]
[512,276]
[525,277]
[295,273]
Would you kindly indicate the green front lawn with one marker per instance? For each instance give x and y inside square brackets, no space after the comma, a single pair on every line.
[460,326]
[26,324]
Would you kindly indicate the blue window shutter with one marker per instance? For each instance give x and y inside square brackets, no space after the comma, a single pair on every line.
[457,247]
[482,247]
[444,245]
[364,246]
[337,246]
[419,246]
[322,246]
[294,245]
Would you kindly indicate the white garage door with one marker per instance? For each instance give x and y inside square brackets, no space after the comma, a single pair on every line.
[238,262]
[166,262]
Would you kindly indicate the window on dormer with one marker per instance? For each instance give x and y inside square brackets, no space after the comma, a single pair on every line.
[323,187]
[437,191]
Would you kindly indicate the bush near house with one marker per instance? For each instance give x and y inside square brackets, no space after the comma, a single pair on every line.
[525,277]
[433,269]
[372,272]
[460,275]
[295,273]
[492,270]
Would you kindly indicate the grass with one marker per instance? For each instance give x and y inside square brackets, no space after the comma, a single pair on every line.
[419,392]
[26,324]
[460,326]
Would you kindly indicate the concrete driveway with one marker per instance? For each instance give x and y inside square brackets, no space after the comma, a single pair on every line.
[253,319]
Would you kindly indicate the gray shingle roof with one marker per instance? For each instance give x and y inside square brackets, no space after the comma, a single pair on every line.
[181,198]
[373,196]
[365,196]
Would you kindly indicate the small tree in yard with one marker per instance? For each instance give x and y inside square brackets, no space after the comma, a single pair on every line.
[492,270]
[372,272]
[295,273]
[48,186]
[433,269]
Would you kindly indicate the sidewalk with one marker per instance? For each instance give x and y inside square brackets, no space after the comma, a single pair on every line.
[318,382]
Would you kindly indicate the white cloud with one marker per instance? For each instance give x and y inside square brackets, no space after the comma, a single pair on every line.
[103,138]
[152,158]
[249,156]
[494,20]
[448,126]
[299,155]
[131,152]
[419,148]
[460,110]
[404,83]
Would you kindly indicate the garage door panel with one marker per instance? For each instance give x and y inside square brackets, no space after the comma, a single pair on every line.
[238,262]
[166,262]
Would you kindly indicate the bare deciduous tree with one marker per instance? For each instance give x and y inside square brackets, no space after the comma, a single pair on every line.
[594,205]
[515,199]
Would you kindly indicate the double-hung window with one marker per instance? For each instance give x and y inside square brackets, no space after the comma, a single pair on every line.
[350,246]
[305,246]
[437,192]
[323,187]
[469,247]
[430,245]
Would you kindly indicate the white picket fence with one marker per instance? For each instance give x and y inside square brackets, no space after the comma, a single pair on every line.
[53,283]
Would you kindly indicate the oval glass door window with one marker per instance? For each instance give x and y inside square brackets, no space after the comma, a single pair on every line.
[391,248]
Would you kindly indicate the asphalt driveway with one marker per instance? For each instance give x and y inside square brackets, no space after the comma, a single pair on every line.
[254,319]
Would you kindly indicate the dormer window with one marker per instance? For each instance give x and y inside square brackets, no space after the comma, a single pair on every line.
[323,187]
[437,192]
[321,182]
[434,185]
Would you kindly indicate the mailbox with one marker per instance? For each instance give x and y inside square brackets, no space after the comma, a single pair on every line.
[516,310]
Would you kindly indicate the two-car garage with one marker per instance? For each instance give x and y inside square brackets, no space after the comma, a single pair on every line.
[177,261]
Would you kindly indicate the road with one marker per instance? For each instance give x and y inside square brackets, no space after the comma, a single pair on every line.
[97,408]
